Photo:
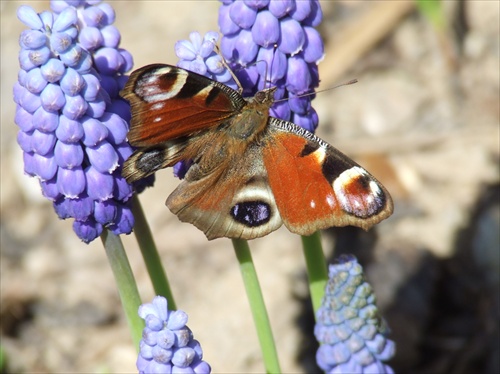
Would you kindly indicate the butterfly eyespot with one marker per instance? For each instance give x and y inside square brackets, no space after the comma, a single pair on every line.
[251,213]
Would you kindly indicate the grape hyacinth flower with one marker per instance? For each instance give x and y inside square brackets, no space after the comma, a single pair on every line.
[351,332]
[167,344]
[73,124]
[252,29]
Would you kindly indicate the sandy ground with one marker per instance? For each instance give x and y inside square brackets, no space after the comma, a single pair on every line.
[424,119]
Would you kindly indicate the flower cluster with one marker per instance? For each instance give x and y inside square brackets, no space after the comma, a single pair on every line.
[73,124]
[351,332]
[275,43]
[167,344]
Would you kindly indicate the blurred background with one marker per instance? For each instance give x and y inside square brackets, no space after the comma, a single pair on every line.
[424,119]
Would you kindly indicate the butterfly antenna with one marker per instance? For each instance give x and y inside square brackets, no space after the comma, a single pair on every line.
[348,83]
[226,65]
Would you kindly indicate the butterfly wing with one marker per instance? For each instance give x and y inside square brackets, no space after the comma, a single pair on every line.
[315,186]
[230,199]
[168,102]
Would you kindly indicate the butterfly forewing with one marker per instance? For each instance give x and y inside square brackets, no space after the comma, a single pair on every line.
[168,102]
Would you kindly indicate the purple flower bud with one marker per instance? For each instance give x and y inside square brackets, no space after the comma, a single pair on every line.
[68,155]
[95,17]
[166,338]
[183,357]
[29,17]
[302,10]
[256,4]
[177,320]
[315,16]
[298,76]
[281,110]
[242,15]
[128,60]
[71,182]
[44,166]
[24,60]
[32,39]
[42,142]
[109,12]
[53,70]
[108,61]
[50,189]
[162,356]
[72,82]
[103,157]
[292,36]
[91,87]
[91,38]
[97,108]
[281,8]
[87,230]
[265,30]
[245,48]
[24,120]
[24,141]
[71,57]
[271,64]
[84,64]
[99,185]
[75,107]
[313,46]
[117,127]
[60,42]
[30,102]
[47,20]
[105,212]
[39,56]
[111,36]
[34,81]
[69,131]
[226,24]
[65,19]
[122,191]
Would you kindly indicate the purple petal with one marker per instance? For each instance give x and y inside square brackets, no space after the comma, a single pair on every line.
[198,66]
[315,16]
[68,155]
[108,61]
[161,356]
[85,64]
[196,40]
[32,39]
[266,29]
[50,190]
[256,4]
[47,18]
[87,230]
[166,339]
[34,81]
[60,42]
[242,15]
[24,141]
[124,221]
[184,50]
[90,38]
[24,60]
[103,157]
[109,12]
[117,127]
[96,108]
[45,121]
[226,24]
[91,87]
[281,8]
[183,357]
[72,82]
[183,336]
[75,107]
[71,57]
[302,10]
[154,323]
[111,36]
[42,142]
[30,102]
[39,56]
[44,166]
[69,131]
[68,17]
[53,70]
[313,46]
[29,17]
[99,185]
[94,131]
[177,320]
[292,36]
[298,77]
[268,56]
[94,17]
[245,48]
[71,182]
[105,211]
[24,120]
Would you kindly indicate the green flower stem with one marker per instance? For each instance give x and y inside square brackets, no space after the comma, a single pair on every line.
[150,254]
[316,267]
[259,312]
[127,288]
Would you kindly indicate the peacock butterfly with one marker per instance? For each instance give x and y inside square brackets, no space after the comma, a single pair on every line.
[251,172]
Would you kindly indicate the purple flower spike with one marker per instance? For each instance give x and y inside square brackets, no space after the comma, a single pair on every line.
[287,24]
[351,333]
[167,344]
[72,123]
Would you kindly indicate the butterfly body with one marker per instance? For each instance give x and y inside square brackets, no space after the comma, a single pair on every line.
[251,172]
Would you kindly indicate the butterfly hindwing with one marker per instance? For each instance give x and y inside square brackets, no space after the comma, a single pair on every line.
[315,186]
